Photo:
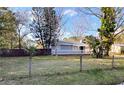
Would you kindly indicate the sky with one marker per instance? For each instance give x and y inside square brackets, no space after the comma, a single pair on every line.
[71,15]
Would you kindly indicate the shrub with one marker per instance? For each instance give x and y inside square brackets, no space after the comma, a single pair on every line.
[22,52]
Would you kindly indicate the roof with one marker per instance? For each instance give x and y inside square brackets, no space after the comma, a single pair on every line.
[118,44]
[70,43]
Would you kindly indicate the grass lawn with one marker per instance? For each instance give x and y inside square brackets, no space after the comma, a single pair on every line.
[61,70]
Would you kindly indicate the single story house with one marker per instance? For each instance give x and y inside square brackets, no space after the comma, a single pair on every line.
[117,48]
[64,47]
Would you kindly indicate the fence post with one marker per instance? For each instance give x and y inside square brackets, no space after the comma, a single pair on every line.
[112,61]
[56,53]
[30,63]
[80,62]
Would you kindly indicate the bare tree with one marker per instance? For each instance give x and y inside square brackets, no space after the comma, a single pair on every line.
[21,21]
[78,29]
[61,21]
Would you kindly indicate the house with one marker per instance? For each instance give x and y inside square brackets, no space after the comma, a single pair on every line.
[117,49]
[65,48]
[118,46]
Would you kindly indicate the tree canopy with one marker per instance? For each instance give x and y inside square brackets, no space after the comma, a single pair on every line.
[7,28]
[45,25]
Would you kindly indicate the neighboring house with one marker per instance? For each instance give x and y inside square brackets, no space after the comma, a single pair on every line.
[117,49]
[118,46]
[64,47]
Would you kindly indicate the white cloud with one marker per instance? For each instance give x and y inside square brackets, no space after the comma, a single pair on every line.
[70,12]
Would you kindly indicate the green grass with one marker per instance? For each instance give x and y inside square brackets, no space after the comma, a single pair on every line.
[61,70]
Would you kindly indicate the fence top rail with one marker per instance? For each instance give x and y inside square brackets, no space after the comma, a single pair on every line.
[70,54]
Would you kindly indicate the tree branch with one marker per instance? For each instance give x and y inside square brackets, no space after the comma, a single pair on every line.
[119,33]
[98,15]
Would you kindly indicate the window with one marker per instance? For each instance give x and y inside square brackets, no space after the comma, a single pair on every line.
[82,47]
[66,47]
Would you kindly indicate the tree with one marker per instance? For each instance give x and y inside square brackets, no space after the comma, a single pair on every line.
[30,47]
[21,21]
[108,25]
[61,22]
[111,20]
[78,29]
[45,25]
[95,45]
[7,27]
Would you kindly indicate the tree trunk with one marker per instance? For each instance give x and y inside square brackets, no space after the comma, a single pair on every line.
[11,43]
[107,51]
[41,40]
[112,61]
[108,46]
[19,40]
[100,52]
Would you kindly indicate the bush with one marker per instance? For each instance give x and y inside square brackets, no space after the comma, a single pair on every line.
[22,52]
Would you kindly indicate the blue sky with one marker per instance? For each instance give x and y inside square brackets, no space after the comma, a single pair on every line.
[90,23]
